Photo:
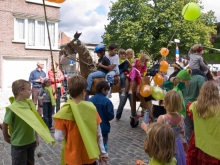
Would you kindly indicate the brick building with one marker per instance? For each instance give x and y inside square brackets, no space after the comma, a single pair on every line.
[24,39]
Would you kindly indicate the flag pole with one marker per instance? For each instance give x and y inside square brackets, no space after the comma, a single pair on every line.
[51,53]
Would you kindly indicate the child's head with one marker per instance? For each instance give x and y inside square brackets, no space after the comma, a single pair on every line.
[122,54]
[113,49]
[197,48]
[102,87]
[144,58]
[184,76]
[172,101]
[160,142]
[129,53]
[46,82]
[21,88]
[208,101]
[77,86]
[100,50]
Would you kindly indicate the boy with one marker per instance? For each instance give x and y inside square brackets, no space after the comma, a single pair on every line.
[103,66]
[77,124]
[23,120]
[113,70]
[105,109]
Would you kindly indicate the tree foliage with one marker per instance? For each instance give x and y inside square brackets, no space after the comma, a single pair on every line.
[150,25]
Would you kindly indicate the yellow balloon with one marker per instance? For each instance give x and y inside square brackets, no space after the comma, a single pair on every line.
[191,11]
[157,93]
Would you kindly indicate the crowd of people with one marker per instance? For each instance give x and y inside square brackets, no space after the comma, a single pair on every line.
[186,131]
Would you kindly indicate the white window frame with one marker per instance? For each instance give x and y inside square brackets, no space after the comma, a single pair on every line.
[46,3]
[46,46]
[16,39]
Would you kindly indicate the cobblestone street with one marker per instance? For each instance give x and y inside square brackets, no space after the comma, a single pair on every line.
[125,143]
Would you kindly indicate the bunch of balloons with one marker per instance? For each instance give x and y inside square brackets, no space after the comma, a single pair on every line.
[156,92]
[56,1]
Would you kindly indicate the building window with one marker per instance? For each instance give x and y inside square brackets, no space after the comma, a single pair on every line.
[34,33]
[19,29]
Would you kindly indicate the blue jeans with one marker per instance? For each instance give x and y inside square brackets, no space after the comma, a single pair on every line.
[48,109]
[123,100]
[123,79]
[96,74]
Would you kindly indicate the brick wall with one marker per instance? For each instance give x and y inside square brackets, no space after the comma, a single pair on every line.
[63,38]
[7,48]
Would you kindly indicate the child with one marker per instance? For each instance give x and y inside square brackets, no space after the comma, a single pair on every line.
[77,124]
[173,105]
[24,125]
[196,60]
[139,66]
[114,61]
[204,147]
[47,96]
[105,109]
[123,68]
[130,57]
[103,66]
[160,144]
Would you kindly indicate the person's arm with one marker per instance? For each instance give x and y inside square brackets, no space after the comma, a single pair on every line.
[143,68]
[202,64]
[61,78]
[160,119]
[5,133]
[133,63]
[41,96]
[104,154]
[110,110]
[59,135]
[109,67]
[37,139]
[60,129]
[125,66]
[51,77]
[31,78]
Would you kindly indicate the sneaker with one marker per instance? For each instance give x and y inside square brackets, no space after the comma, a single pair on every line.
[123,92]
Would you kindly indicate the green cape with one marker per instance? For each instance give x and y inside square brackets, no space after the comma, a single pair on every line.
[84,114]
[207,133]
[50,92]
[155,162]
[32,118]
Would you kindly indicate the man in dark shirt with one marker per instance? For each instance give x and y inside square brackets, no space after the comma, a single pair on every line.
[103,66]
[36,77]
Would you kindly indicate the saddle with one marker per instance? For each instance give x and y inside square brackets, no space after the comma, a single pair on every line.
[115,87]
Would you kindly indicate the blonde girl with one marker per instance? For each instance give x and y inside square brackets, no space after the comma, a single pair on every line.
[204,148]
[173,105]
[139,66]
[160,144]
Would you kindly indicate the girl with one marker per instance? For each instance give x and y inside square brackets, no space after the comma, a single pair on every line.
[47,96]
[139,66]
[160,144]
[204,148]
[173,105]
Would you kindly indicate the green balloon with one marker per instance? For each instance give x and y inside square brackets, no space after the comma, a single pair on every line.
[157,93]
[191,11]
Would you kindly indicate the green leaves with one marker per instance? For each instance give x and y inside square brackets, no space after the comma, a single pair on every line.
[149,25]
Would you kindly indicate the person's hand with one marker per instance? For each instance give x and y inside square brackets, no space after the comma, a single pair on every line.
[144,126]
[112,66]
[38,80]
[7,138]
[103,160]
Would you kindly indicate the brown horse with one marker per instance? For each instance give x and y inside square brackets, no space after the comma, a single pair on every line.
[87,65]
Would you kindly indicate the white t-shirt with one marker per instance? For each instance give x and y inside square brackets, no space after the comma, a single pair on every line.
[114,60]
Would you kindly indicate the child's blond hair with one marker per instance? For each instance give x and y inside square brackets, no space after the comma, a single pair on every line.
[130,51]
[19,85]
[172,101]
[197,48]
[76,85]
[208,102]
[144,58]
[160,142]
[121,51]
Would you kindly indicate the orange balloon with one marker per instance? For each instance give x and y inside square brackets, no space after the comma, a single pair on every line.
[51,0]
[164,66]
[59,1]
[158,79]
[164,52]
[145,90]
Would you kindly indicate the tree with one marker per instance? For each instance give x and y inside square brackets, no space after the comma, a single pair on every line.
[149,25]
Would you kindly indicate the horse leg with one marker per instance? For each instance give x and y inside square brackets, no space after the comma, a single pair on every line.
[134,119]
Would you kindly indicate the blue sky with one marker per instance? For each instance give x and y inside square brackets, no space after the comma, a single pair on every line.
[90,16]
